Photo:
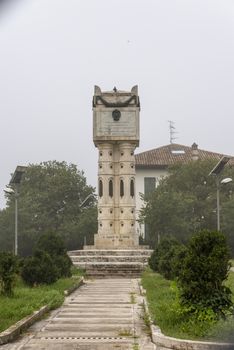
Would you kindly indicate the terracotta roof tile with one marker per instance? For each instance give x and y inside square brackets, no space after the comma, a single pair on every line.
[164,156]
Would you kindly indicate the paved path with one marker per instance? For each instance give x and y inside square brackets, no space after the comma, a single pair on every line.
[104,314]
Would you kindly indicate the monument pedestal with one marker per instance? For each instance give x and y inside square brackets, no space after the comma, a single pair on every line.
[110,262]
[115,242]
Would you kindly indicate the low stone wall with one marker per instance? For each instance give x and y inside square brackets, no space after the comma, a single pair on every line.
[16,329]
[160,339]
[164,341]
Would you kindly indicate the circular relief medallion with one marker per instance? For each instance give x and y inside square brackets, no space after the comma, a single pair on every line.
[116,114]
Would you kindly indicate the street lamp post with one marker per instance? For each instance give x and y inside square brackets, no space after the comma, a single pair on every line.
[218,202]
[15,182]
[216,172]
[82,204]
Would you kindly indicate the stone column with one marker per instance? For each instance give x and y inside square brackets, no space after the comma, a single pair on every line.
[106,193]
[116,135]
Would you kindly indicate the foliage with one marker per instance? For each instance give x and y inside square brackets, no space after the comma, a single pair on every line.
[176,321]
[54,246]
[203,272]
[49,261]
[167,257]
[51,194]
[26,299]
[185,202]
[39,269]
[8,269]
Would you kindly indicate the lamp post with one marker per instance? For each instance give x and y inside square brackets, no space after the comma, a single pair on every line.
[83,203]
[15,182]
[216,171]
[218,183]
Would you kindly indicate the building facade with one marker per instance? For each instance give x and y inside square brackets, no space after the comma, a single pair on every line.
[152,166]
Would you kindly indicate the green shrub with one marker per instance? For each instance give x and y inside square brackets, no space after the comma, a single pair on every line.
[63,264]
[205,267]
[39,269]
[49,262]
[167,256]
[52,244]
[8,269]
[55,247]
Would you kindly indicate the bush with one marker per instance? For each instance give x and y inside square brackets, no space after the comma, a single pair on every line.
[52,244]
[63,264]
[55,247]
[205,268]
[39,269]
[167,256]
[49,262]
[8,269]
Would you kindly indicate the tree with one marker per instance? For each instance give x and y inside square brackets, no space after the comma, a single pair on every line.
[185,202]
[50,197]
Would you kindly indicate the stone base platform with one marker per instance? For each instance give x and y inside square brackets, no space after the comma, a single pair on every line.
[111,263]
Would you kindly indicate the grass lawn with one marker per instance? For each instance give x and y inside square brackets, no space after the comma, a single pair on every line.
[162,296]
[26,299]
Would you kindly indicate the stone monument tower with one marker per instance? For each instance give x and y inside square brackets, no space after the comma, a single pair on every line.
[116,135]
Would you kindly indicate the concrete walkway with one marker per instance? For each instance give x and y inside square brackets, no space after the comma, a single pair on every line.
[104,314]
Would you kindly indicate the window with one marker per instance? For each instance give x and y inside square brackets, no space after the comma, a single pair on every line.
[110,188]
[132,188]
[149,185]
[121,188]
[100,189]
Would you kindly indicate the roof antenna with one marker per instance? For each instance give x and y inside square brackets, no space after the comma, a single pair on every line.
[172,131]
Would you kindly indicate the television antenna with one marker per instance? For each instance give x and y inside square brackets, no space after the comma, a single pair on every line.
[172,131]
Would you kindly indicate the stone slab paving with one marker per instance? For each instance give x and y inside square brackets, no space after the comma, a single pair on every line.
[103,314]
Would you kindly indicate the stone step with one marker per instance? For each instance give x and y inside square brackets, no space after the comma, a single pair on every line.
[117,264]
[111,263]
[109,258]
[119,252]
[116,269]
[92,320]
[92,333]
[89,315]
[79,327]
[81,343]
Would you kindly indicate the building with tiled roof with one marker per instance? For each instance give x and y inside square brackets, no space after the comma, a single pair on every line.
[164,156]
[152,165]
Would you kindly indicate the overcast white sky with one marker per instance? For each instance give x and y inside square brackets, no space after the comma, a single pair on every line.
[52,52]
